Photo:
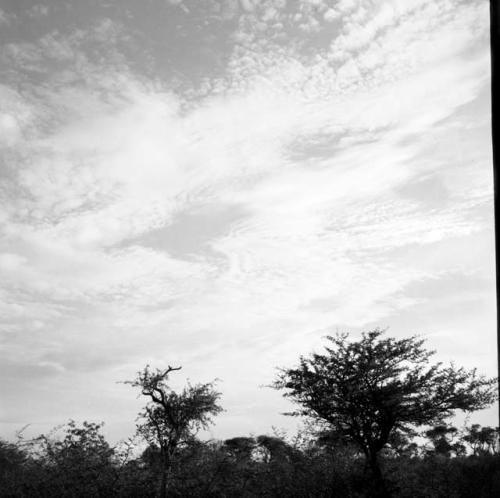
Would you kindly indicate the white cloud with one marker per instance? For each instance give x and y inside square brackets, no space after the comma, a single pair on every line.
[345,6]
[10,262]
[323,158]
[331,15]
[248,5]
[5,18]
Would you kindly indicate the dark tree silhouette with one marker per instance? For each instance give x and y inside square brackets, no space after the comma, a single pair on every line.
[483,440]
[442,438]
[171,419]
[81,463]
[369,388]
[240,447]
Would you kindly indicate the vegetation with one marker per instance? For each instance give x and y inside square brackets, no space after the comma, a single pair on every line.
[376,425]
[367,390]
[171,420]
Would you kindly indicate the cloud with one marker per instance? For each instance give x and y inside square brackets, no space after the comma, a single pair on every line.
[320,181]
[6,18]
[330,15]
[345,6]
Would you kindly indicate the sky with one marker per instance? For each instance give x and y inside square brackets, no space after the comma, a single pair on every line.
[219,184]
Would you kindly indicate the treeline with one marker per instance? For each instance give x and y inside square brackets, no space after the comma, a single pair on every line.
[376,412]
[81,463]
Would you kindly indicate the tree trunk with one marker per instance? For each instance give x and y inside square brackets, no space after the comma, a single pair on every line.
[165,469]
[163,483]
[380,486]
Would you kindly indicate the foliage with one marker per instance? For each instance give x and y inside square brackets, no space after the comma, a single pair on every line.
[357,394]
[483,440]
[312,465]
[71,460]
[369,388]
[13,460]
[444,441]
[172,419]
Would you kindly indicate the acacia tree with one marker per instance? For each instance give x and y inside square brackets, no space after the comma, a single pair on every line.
[483,440]
[444,440]
[171,419]
[370,388]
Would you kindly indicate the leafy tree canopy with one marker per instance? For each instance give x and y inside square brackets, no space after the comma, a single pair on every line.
[369,388]
[170,419]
